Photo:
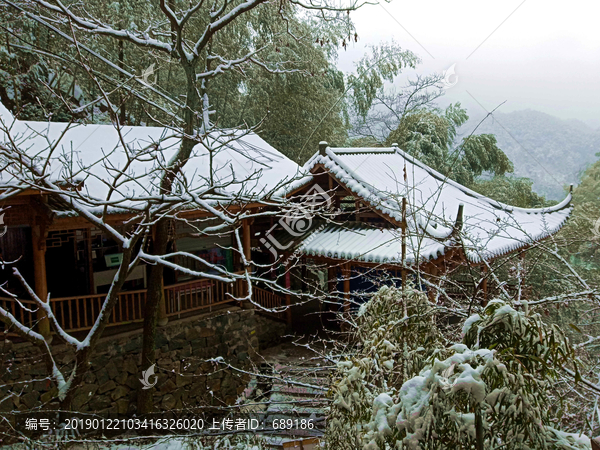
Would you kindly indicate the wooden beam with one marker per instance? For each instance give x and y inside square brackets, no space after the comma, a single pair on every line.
[68,223]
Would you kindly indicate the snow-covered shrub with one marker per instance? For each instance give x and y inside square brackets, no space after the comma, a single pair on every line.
[395,337]
[489,391]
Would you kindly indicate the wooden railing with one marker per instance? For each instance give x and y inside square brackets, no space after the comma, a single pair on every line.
[269,300]
[201,294]
[80,312]
[23,315]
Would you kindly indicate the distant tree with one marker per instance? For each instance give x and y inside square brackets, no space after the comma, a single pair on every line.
[430,134]
[513,191]
[286,99]
[24,77]
[584,230]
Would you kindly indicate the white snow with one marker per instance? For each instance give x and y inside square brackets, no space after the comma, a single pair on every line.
[469,323]
[93,154]
[489,229]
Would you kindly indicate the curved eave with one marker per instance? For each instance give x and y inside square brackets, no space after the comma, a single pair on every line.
[503,251]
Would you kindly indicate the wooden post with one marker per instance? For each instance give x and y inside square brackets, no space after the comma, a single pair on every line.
[431,292]
[39,233]
[288,299]
[347,270]
[331,280]
[90,260]
[403,226]
[246,240]
[304,274]
[346,276]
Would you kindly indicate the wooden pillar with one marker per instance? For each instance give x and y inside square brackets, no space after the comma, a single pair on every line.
[90,261]
[403,226]
[39,233]
[331,280]
[346,271]
[288,299]
[431,292]
[246,240]
[304,274]
[346,277]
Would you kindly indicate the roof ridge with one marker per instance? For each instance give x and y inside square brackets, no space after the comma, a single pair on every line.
[494,203]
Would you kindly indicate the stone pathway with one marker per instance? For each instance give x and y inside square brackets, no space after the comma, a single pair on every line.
[294,392]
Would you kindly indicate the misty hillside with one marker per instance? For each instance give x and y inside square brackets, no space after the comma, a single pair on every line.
[551,151]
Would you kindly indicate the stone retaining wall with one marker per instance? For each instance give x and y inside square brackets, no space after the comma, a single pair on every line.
[111,384]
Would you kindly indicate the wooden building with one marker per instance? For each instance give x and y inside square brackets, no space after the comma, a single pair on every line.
[389,211]
[65,255]
[384,211]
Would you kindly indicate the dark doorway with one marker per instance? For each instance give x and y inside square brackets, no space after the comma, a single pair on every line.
[62,269]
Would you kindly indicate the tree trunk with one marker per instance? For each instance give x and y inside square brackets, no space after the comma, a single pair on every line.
[161,240]
[151,310]
[122,111]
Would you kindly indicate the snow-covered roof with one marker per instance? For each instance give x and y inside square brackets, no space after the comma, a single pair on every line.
[383,176]
[93,154]
[361,242]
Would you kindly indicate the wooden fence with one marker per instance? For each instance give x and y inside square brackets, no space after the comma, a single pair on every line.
[79,313]
[269,300]
[201,294]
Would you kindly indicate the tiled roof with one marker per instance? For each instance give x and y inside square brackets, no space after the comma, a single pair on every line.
[245,162]
[489,229]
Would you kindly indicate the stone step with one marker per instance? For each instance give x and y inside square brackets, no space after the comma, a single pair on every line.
[290,389]
[294,410]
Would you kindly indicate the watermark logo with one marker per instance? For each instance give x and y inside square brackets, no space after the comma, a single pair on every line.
[147,73]
[596,228]
[298,220]
[3,228]
[146,374]
[450,77]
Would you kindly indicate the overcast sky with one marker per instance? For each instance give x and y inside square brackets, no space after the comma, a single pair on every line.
[543,55]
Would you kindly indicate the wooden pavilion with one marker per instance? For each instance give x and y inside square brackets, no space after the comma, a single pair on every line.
[389,211]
